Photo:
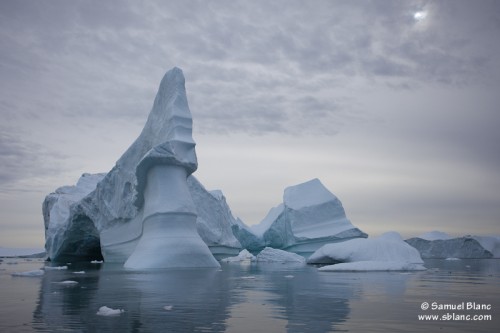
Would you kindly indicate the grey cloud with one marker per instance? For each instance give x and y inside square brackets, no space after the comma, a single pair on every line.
[24,160]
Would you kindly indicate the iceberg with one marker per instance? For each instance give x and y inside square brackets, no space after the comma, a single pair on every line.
[243,256]
[309,217]
[461,247]
[145,212]
[386,252]
[105,311]
[269,254]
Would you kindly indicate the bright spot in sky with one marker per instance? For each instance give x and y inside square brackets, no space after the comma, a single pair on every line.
[419,16]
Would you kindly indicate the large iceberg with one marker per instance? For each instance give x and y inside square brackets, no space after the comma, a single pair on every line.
[309,217]
[147,211]
[386,252]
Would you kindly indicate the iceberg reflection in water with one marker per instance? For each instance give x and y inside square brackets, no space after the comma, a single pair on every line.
[245,297]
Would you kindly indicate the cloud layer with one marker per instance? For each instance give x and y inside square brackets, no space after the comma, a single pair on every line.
[77,80]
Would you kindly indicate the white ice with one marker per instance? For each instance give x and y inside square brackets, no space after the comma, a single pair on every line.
[269,254]
[367,254]
[105,311]
[54,268]
[309,217]
[243,256]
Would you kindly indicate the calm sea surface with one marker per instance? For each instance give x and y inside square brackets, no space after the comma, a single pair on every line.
[251,298]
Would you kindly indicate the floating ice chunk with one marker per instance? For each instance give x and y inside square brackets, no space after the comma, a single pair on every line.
[68,283]
[36,272]
[243,256]
[79,272]
[250,277]
[374,266]
[289,276]
[105,311]
[96,261]
[55,268]
[452,259]
[168,307]
[274,255]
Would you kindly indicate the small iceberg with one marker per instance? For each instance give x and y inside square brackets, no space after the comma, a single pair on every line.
[55,268]
[96,261]
[243,256]
[279,256]
[105,311]
[68,283]
[168,307]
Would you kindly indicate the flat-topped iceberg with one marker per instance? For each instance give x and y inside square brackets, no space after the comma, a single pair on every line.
[309,217]
[386,252]
[461,247]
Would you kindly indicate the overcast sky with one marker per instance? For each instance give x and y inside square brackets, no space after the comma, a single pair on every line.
[393,105]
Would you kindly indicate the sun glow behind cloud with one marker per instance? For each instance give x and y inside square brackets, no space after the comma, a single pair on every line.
[420,16]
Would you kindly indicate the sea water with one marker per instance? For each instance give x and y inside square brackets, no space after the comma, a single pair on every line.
[451,296]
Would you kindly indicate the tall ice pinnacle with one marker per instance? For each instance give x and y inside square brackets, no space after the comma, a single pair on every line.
[169,235]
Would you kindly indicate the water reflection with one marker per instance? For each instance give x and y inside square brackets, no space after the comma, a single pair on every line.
[259,298]
[199,300]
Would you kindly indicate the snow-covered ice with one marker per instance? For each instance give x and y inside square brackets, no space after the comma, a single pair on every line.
[105,311]
[243,256]
[386,252]
[269,254]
